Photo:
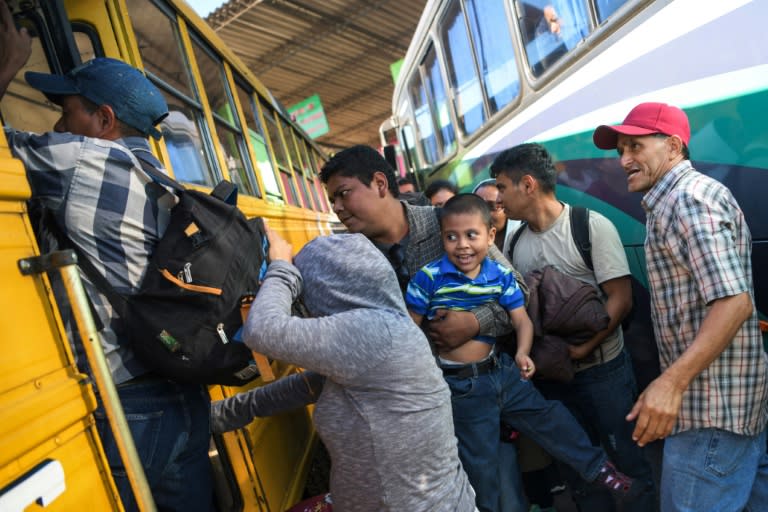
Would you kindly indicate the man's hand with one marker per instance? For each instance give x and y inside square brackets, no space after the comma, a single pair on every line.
[451,329]
[279,248]
[15,48]
[656,410]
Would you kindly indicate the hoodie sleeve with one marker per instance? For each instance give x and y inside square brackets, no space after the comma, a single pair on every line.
[283,395]
[340,346]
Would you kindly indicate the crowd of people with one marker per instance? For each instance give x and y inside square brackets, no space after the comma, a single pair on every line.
[414,390]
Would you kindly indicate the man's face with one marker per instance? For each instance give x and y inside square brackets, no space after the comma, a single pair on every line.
[77,119]
[512,196]
[440,197]
[490,195]
[406,188]
[645,159]
[358,205]
[466,239]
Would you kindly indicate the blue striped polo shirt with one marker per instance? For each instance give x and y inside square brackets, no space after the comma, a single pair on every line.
[440,285]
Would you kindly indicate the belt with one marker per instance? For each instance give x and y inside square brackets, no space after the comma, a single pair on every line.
[471,370]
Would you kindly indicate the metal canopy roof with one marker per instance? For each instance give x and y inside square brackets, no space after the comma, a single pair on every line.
[338,49]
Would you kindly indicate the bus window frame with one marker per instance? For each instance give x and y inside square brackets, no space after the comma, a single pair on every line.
[271,116]
[197,41]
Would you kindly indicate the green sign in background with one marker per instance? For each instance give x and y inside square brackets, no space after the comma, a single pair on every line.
[310,115]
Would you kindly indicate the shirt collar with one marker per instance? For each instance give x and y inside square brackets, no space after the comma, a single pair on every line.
[662,187]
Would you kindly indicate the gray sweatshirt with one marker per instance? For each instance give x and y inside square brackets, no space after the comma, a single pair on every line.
[384,412]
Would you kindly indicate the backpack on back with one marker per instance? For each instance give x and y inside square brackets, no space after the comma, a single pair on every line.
[207,265]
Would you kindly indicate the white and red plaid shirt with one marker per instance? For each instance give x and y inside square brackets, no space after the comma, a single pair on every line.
[698,250]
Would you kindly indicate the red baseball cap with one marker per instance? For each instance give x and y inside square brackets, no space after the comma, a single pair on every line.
[645,119]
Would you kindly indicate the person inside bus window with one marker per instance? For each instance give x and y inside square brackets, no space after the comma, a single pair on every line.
[439,191]
[86,173]
[561,25]
[603,389]
[383,409]
[710,403]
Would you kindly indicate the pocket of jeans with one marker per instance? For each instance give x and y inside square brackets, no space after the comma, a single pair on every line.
[461,388]
[145,430]
[725,453]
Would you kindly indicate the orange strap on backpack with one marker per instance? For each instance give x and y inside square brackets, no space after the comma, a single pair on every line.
[262,363]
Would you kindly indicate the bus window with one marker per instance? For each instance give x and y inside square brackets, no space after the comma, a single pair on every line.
[607,7]
[494,51]
[439,102]
[296,163]
[87,41]
[550,29]
[225,118]
[462,74]
[184,130]
[278,148]
[430,104]
[259,144]
[409,145]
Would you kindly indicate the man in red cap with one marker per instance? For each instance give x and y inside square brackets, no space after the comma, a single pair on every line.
[711,400]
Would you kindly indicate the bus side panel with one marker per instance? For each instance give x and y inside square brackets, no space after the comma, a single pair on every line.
[49,448]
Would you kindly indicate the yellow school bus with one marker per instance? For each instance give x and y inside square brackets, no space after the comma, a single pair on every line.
[223,124]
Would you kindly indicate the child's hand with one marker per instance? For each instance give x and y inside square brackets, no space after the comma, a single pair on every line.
[525,363]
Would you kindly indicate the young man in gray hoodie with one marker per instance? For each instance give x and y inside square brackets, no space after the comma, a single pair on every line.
[383,408]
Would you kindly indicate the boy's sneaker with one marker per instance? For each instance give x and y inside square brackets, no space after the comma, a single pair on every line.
[619,484]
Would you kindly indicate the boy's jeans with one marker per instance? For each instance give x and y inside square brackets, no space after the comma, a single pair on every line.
[169,423]
[713,470]
[479,403]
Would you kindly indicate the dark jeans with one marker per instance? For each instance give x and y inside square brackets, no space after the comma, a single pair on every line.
[480,402]
[600,397]
[169,423]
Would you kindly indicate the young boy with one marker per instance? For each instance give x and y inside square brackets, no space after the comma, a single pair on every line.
[465,277]
[487,387]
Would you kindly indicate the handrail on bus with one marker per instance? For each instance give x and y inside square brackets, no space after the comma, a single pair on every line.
[66,263]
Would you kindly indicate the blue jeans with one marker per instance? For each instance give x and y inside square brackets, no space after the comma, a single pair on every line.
[600,397]
[713,470]
[480,402]
[169,423]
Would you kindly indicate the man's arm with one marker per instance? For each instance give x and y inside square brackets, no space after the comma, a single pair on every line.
[617,304]
[657,408]
[15,48]
[451,329]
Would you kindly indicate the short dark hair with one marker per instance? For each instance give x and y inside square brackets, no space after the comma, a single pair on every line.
[466,203]
[360,162]
[405,180]
[438,185]
[529,158]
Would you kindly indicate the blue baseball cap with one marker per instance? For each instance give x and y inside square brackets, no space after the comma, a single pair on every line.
[104,81]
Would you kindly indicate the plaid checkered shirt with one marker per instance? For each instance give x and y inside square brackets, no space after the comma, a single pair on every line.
[698,249]
[109,208]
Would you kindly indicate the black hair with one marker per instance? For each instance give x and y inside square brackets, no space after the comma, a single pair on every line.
[360,162]
[405,180]
[530,158]
[466,203]
[438,185]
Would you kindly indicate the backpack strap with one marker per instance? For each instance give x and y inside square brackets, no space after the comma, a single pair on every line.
[580,232]
[513,241]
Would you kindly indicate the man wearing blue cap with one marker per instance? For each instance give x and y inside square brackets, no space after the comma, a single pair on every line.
[87,174]
[710,402]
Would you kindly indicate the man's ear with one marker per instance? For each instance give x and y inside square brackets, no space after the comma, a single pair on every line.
[108,123]
[380,183]
[675,145]
[529,183]
[491,236]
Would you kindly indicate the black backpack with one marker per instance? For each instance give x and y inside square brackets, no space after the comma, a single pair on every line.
[206,266]
[579,218]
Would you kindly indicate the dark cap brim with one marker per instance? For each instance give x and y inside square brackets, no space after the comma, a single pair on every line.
[606,137]
[51,85]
